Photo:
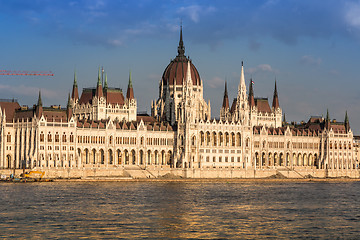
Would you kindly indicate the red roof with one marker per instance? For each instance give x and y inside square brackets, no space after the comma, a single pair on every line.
[262,105]
[114,96]
[177,70]
[9,107]
[87,95]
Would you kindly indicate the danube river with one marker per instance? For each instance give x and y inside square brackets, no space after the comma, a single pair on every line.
[180,210]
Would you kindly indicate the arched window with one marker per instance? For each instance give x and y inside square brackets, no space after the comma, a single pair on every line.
[49,137]
[57,137]
[202,138]
[238,139]
[102,157]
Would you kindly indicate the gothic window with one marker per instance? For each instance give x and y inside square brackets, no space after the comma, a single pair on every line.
[207,138]
[71,137]
[214,138]
[57,137]
[64,137]
[49,137]
[238,139]
[193,140]
[201,138]
[220,139]
[226,139]
[42,137]
[110,140]
[141,140]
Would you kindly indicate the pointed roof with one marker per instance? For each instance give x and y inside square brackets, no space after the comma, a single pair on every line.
[346,122]
[242,77]
[175,72]
[130,90]
[75,92]
[327,121]
[99,89]
[39,99]
[226,98]
[105,83]
[181,47]
[251,94]
[275,103]
[68,101]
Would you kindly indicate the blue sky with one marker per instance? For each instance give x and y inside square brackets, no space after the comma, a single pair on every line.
[310,46]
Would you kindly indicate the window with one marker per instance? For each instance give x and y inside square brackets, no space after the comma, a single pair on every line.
[57,137]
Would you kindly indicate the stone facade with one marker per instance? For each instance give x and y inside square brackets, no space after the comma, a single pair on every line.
[101,131]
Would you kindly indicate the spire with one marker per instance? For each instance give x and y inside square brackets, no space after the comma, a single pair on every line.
[68,108]
[346,122]
[99,77]
[275,103]
[75,92]
[68,101]
[39,99]
[181,48]
[99,89]
[75,80]
[189,80]
[105,84]
[284,119]
[327,121]
[251,94]
[130,90]
[242,77]
[225,104]
[39,108]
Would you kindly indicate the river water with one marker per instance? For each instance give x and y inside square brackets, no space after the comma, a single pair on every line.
[180,210]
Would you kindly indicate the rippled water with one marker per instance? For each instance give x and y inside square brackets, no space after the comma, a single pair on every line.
[162,210]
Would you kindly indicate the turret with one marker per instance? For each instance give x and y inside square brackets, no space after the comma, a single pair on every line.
[181,47]
[275,103]
[327,121]
[39,107]
[251,94]
[105,83]
[75,91]
[68,109]
[99,89]
[225,104]
[346,122]
[130,90]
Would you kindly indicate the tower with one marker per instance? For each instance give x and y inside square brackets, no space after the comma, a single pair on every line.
[225,109]
[242,107]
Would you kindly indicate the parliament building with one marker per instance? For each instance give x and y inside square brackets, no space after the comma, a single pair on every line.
[100,130]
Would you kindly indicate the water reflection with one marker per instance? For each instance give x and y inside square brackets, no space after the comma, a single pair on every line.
[180,210]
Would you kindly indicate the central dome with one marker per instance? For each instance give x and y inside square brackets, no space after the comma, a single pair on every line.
[177,68]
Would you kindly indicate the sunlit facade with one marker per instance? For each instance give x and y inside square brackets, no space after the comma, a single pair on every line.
[100,129]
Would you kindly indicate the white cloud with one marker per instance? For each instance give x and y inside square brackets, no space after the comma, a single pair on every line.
[194,11]
[28,91]
[352,14]
[261,68]
[215,82]
[310,60]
